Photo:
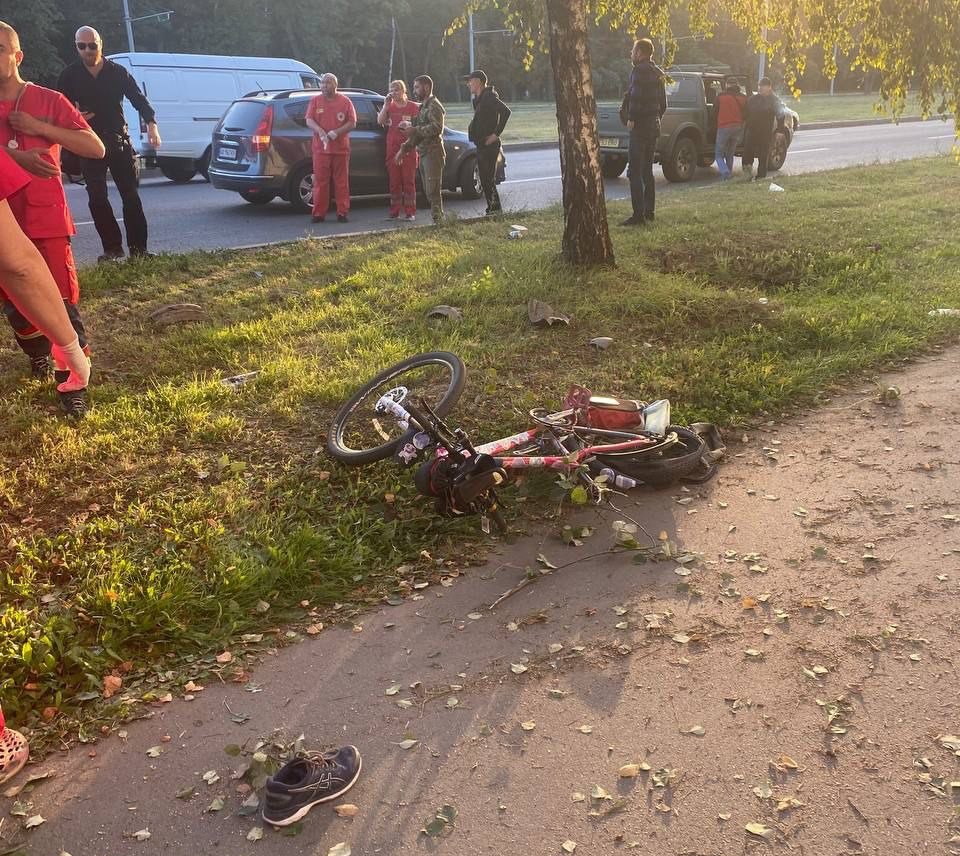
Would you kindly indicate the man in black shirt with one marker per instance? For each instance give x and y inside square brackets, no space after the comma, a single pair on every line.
[97,86]
[762,113]
[490,117]
[647,102]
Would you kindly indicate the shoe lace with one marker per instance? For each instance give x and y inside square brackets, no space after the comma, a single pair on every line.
[321,759]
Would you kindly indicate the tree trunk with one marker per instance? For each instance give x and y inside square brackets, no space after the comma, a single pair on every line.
[586,236]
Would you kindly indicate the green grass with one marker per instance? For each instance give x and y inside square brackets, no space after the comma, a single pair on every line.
[536,121]
[149,533]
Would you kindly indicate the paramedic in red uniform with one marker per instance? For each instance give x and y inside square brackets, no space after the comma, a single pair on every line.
[395,116]
[34,123]
[331,116]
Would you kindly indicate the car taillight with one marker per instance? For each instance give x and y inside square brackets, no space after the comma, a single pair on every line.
[260,141]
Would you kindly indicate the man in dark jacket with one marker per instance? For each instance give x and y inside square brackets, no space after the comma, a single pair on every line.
[763,110]
[490,117]
[647,102]
[97,86]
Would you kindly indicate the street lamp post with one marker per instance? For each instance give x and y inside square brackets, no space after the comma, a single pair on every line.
[128,22]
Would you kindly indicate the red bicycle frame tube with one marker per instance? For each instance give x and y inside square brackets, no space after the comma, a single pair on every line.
[570,461]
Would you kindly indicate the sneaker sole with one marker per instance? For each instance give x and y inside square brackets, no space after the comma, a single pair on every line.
[302,812]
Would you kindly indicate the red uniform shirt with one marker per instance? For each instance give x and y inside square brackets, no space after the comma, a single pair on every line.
[330,114]
[12,177]
[396,113]
[41,207]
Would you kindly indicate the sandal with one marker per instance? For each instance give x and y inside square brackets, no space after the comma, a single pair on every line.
[14,751]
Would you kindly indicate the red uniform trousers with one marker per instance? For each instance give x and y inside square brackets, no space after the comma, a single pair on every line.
[58,255]
[403,179]
[324,166]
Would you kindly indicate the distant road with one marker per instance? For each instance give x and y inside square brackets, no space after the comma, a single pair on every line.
[195,216]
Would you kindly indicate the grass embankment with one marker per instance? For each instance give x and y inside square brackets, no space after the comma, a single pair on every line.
[152,530]
[536,121]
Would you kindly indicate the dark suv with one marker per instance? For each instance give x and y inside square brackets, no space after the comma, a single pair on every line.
[262,149]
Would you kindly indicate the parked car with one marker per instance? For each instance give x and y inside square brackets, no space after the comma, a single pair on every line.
[688,130]
[190,92]
[262,149]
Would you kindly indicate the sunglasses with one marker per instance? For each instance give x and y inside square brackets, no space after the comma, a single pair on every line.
[87,46]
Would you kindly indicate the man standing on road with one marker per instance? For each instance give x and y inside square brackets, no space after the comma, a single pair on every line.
[426,134]
[331,116]
[646,105]
[34,123]
[490,117]
[762,110]
[729,107]
[97,86]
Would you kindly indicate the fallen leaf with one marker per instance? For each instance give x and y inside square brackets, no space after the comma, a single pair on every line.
[31,822]
[695,730]
[216,805]
[786,762]
[599,793]
[529,725]
[262,606]
[452,702]
[475,616]
[763,792]
[585,729]
[543,560]
[518,668]
[724,816]
[568,846]
[211,777]
[314,629]
[154,751]
[407,744]
[225,657]
[255,834]
[111,685]
[629,771]
[759,830]
[341,849]
[346,810]
[753,652]
[142,834]
[555,648]
[191,687]
[392,690]
[682,638]
[578,797]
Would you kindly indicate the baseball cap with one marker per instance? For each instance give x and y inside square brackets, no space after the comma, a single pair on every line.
[477,74]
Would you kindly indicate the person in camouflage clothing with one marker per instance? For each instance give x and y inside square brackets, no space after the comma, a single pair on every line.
[426,133]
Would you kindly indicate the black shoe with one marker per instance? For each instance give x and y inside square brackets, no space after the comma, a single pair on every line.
[75,404]
[142,254]
[633,221]
[317,219]
[61,376]
[116,256]
[307,780]
[342,218]
[40,366]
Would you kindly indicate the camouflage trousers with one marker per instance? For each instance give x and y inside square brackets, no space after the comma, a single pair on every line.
[432,159]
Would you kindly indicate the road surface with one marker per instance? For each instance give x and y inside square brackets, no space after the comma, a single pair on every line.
[195,216]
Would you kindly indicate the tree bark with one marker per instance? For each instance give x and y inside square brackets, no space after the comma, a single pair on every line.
[586,235]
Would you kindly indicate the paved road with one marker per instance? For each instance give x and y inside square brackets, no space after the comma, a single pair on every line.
[195,216]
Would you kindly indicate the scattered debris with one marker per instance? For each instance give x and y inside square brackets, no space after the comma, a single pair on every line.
[544,315]
[452,313]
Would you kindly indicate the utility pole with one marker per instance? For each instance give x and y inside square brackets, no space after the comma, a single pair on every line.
[763,51]
[833,79]
[473,58]
[128,21]
[393,44]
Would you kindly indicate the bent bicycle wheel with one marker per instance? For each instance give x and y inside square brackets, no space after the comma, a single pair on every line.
[359,435]
[659,468]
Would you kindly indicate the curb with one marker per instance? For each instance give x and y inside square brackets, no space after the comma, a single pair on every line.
[804,126]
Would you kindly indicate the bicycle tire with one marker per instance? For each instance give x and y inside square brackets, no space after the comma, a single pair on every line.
[337,445]
[673,464]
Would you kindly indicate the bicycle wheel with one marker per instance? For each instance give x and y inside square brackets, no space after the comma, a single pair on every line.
[359,435]
[659,467]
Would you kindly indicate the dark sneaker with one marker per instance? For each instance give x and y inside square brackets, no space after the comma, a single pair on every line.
[75,404]
[40,366]
[633,221]
[142,254]
[342,218]
[110,257]
[307,780]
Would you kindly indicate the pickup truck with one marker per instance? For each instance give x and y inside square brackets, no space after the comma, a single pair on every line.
[688,130]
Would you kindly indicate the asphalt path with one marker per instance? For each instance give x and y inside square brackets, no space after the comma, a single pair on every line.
[196,216]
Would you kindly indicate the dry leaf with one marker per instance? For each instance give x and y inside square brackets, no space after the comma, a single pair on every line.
[393,689]
[31,822]
[585,729]
[518,668]
[225,657]
[154,751]
[346,810]
[695,730]
[255,834]
[629,771]
[724,816]
[191,687]
[111,685]
[407,744]
[759,830]
[568,846]
[314,629]
[142,834]
[529,725]
[341,849]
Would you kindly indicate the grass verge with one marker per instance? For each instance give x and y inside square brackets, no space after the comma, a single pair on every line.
[181,514]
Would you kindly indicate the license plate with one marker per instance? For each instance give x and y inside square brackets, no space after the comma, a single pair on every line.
[226,154]
[609,143]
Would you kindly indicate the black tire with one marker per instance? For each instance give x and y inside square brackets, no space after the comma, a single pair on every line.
[681,165]
[612,166]
[470,187]
[778,152]
[300,189]
[203,166]
[441,402]
[178,170]
[257,197]
[683,458]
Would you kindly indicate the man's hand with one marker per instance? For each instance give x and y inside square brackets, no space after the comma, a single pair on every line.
[331,135]
[398,157]
[489,141]
[153,135]
[33,162]
[27,124]
[630,124]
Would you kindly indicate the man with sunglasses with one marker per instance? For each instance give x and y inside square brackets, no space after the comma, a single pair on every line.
[97,86]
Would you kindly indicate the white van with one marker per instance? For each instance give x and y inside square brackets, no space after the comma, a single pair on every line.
[190,92]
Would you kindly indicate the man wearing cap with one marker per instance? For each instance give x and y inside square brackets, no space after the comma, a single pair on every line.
[490,117]
[426,135]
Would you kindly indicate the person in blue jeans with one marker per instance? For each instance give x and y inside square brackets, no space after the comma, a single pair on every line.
[647,102]
[730,108]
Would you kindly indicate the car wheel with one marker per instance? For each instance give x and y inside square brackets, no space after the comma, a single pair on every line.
[778,152]
[470,187]
[178,170]
[682,163]
[257,197]
[612,166]
[203,166]
[300,193]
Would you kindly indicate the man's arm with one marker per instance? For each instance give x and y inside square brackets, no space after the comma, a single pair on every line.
[503,115]
[80,141]
[662,95]
[433,127]
[142,106]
